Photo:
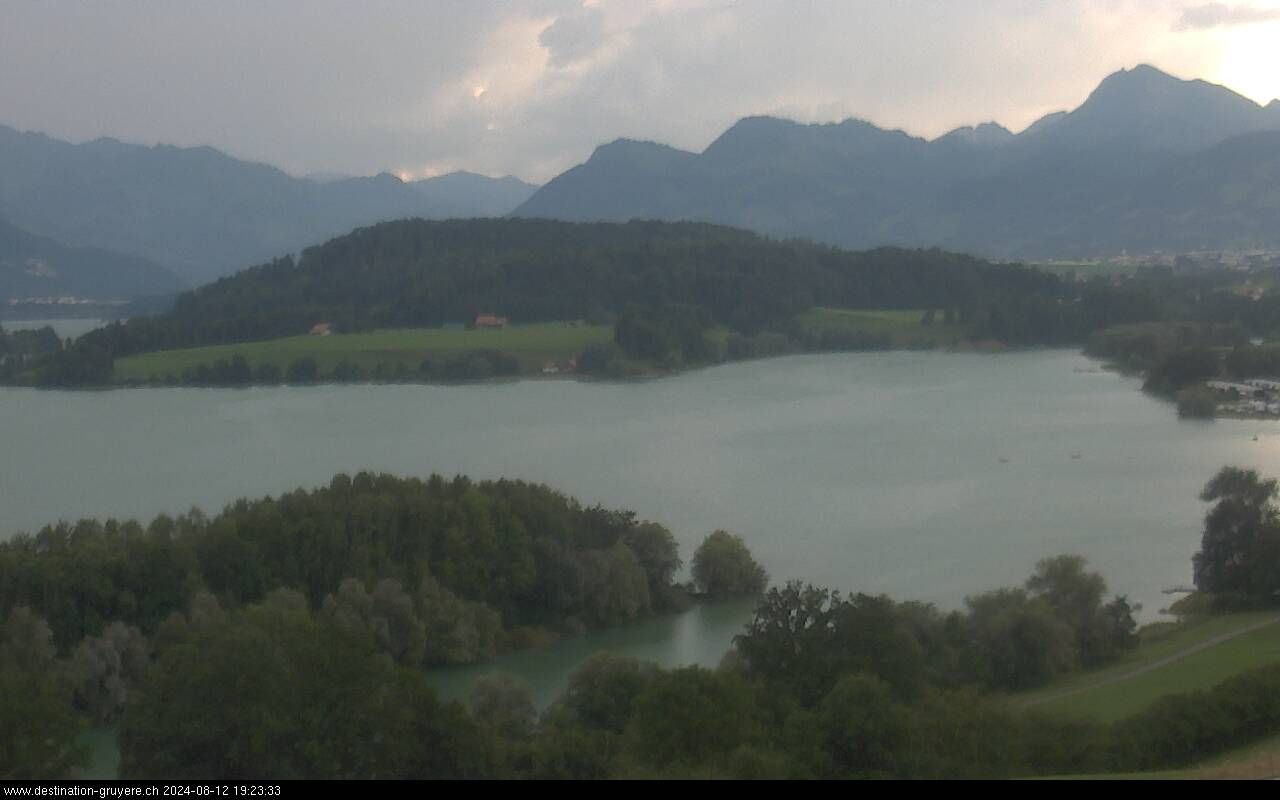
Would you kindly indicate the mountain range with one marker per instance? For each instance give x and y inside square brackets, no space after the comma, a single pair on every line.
[1148,162]
[202,213]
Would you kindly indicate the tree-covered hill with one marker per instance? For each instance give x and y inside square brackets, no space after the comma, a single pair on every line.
[675,294]
[415,273]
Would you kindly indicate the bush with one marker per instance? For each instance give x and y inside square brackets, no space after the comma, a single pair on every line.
[1186,728]
[1197,402]
[303,370]
[723,567]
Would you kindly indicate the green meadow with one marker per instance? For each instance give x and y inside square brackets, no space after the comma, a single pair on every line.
[1112,693]
[903,328]
[533,345]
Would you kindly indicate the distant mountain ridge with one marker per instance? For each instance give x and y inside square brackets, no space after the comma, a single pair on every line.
[1091,181]
[203,213]
[34,266]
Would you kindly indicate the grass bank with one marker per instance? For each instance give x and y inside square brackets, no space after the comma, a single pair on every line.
[1155,668]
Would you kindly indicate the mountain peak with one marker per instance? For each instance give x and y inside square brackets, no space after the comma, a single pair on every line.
[988,134]
[1145,108]
[1145,79]
[622,149]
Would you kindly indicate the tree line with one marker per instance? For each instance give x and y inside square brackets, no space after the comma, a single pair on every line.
[19,349]
[481,566]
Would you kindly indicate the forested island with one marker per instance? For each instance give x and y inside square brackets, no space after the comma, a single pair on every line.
[286,637]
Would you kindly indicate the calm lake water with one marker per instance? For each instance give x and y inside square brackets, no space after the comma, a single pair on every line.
[924,475]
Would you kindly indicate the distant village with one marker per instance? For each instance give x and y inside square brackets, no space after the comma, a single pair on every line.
[1167,263]
[1253,397]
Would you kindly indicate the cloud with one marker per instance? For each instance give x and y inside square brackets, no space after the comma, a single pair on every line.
[574,37]
[1218,15]
[327,85]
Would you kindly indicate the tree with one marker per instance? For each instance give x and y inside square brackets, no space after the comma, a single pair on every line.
[105,668]
[1240,549]
[615,588]
[1197,402]
[602,359]
[659,556]
[602,693]
[788,640]
[1017,642]
[504,703]
[692,716]
[387,615]
[457,631]
[1182,368]
[723,568]
[803,639]
[40,731]
[270,691]
[1076,595]
[864,730]
[302,370]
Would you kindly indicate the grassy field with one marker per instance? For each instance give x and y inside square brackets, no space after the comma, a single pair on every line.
[533,345]
[902,327]
[1200,670]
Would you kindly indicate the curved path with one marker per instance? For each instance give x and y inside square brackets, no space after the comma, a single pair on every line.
[1213,641]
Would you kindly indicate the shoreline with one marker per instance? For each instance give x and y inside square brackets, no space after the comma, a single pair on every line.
[650,373]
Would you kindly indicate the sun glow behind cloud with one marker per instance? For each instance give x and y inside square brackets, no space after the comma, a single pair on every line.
[1250,60]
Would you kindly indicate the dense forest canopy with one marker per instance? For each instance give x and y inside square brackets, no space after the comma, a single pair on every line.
[480,564]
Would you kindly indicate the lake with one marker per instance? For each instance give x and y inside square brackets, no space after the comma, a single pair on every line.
[923,475]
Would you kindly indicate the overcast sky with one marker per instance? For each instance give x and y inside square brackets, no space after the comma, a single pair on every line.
[530,88]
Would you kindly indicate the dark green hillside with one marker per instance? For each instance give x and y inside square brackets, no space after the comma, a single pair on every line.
[417,273]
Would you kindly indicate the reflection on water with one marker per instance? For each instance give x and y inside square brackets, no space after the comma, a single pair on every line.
[701,636]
